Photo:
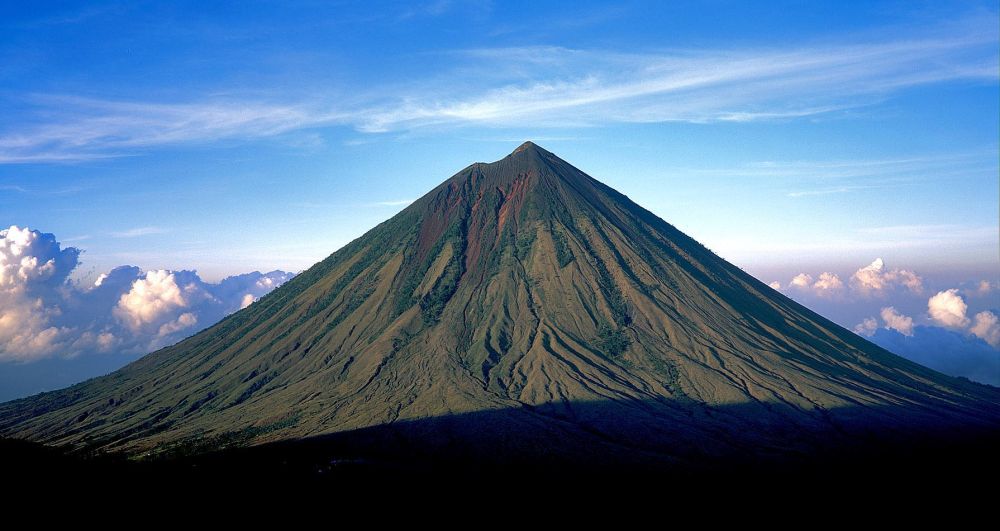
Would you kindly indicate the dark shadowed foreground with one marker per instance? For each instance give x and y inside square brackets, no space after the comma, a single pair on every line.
[931,458]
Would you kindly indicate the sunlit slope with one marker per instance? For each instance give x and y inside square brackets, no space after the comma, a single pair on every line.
[523,287]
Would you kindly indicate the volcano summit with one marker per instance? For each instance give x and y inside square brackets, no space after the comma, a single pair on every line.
[521,311]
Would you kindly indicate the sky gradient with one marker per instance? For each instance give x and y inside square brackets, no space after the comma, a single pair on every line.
[789,137]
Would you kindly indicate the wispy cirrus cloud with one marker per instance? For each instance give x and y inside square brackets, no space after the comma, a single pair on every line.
[565,86]
[531,87]
[137,232]
[937,166]
[41,190]
[76,129]
[808,178]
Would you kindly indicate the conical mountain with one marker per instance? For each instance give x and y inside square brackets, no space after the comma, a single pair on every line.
[525,307]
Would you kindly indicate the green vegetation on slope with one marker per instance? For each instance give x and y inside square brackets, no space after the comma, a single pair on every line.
[527,290]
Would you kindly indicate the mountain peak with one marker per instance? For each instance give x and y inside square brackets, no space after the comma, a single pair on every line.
[531,151]
[524,167]
[528,144]
[525,297]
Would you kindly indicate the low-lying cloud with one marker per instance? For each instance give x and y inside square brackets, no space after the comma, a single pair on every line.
[866,327]
[987,328]
[876,279]
[892,319]
[826,285]
[897,321]
[949,341]
[43,314]
[948,336]
[872,280]
[948,309]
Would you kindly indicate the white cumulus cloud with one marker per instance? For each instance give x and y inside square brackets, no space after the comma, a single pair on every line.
[27,330]
[892,320]
[33,267]
[987,327]
[33,259]
[983,288]
[875,278]
[867,327]
[183,322]
[802,280]
[948,308]
[828,283]
[897,321]
[150,298]
[43,314]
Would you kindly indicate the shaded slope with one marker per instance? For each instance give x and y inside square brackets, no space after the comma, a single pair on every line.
[522,286]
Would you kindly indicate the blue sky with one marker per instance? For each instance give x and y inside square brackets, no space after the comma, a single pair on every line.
[790,137]
[794,133]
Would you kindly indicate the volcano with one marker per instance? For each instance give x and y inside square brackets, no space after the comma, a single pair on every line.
[519,311]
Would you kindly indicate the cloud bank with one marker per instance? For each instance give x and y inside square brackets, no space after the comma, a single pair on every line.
[946,337]
[43,314]
[872,280]
[876,279]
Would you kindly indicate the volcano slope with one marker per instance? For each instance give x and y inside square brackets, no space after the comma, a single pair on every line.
[520,311]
